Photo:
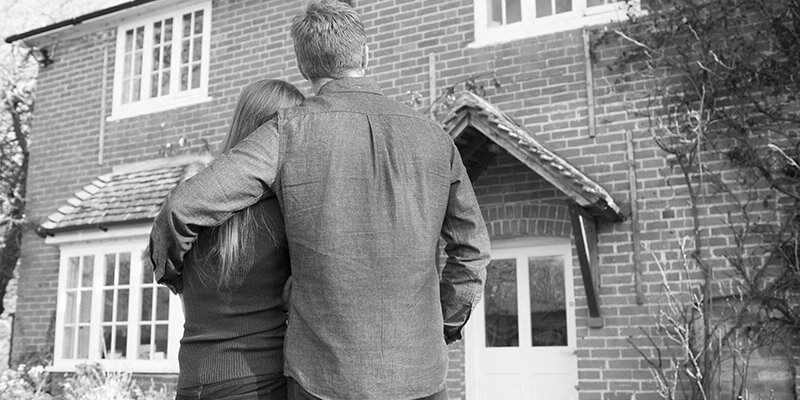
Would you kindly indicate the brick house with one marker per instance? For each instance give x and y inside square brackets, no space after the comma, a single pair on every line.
[133,85]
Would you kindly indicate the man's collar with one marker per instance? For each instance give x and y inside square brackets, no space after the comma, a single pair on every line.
[366,85]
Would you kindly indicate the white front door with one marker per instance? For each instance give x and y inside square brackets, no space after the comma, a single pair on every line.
[520,340]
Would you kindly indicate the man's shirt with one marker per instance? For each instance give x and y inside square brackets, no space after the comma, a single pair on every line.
[367,186]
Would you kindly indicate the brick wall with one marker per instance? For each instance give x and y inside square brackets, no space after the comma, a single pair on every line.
[543,88]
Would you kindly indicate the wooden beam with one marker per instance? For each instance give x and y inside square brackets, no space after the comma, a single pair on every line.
[584,230]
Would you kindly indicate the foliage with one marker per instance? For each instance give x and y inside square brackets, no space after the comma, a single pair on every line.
[477,84]
[16,114]
[24,383]
[718,82]
[90,382]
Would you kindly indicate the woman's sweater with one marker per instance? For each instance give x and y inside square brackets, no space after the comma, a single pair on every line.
[235,330]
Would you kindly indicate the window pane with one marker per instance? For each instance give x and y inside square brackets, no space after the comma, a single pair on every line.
[71,306]
[86,306]
[108,305]
[197,48]
[137,64]
[147,275]
[124,268]
[501,304]
[494,9]
[168,30]
[543,8]
[548,301]
[83,342]
[72,272]
[513,11]
[167,55]
[69,343]
[127,66]
[110,268]
[121,342]
[162,308]
[185,51]
[184,78]
[157,33]
[164,91]
[195,76]
[122,305]
[161,343]
[198,22]
[156,58]
[137,83]
[126,91]
[154,85]
[88,271]
[187,25]
[563,6]
[129,40]
[107,342]
[147,304]
[143,352]
[139,37]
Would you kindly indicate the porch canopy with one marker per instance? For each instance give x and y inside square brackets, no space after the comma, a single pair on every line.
[475,124]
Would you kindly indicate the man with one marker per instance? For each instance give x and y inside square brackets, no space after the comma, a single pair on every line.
[367,186]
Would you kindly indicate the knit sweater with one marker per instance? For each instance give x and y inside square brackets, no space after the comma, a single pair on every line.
[235,330]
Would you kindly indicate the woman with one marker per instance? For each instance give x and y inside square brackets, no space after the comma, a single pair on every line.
[232,346]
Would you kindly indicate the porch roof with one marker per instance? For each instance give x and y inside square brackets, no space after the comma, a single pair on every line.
[470,112]
[129,194]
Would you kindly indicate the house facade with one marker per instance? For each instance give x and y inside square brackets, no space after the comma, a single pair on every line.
[139,95]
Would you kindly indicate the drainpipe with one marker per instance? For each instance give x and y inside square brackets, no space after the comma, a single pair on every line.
[637,253]
[101,141]
[587,62]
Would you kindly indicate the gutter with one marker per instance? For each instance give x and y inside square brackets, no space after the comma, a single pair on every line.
[77,20]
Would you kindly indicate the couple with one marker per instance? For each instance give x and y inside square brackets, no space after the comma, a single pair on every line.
[355,189]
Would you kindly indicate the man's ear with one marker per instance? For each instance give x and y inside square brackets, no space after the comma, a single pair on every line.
[365,58]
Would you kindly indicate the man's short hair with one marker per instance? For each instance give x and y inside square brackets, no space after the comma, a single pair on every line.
[329,39]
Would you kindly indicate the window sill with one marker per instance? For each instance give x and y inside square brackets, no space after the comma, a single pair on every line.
[132,366]
[152,108]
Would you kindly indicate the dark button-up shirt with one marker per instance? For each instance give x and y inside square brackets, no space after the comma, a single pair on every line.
[367,186]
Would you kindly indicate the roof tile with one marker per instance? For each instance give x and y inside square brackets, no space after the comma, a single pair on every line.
[120,197]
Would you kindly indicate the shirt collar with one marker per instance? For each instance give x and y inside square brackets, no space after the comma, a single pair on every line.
[343,85]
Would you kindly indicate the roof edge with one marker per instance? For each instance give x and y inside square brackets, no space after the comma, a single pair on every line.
[77,20]
[44,232]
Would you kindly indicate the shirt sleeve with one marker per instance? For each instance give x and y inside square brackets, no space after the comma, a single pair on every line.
[235,180]
[467,248]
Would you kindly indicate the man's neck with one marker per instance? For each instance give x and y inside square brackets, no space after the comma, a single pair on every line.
[317,84]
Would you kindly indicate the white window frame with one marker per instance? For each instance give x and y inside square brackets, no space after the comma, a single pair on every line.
[530,26]
[175,98]
[98,244]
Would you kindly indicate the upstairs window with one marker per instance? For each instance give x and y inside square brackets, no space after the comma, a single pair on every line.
[499,21]
[162,62]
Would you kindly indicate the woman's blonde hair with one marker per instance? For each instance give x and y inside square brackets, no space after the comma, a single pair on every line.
[232,241]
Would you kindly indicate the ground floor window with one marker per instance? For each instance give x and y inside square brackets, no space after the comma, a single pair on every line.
[111,310]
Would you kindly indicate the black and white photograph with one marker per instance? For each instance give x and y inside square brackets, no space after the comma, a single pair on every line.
[400,200]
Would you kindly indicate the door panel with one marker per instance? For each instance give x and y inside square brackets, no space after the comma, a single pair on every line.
[520,342]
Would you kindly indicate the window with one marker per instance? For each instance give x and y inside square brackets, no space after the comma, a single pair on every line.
[110,310]
[503,20]
[162,62]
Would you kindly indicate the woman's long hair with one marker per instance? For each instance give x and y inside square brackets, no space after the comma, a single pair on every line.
[258,103]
